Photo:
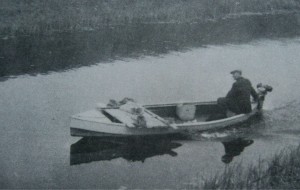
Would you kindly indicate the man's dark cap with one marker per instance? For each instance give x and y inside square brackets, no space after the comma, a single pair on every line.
[236,71]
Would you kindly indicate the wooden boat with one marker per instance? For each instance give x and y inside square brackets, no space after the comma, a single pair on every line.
[160,119]
[104,122]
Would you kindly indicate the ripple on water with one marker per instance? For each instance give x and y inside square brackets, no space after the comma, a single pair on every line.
[285,117]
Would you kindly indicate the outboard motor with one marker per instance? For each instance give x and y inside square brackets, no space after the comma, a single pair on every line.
[262,91]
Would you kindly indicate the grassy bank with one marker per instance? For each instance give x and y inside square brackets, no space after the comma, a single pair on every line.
[281,172]
[41,16]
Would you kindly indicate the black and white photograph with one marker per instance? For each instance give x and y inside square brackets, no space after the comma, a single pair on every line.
[149,94]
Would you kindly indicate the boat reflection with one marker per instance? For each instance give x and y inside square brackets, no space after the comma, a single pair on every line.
[234,148]
[89,150]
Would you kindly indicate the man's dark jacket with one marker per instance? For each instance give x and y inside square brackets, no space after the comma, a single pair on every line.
[238,98]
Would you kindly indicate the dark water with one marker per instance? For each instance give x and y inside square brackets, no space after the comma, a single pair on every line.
[49,84]
[32,54]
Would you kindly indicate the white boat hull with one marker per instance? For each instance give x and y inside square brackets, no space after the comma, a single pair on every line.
[95,123]
[88,128]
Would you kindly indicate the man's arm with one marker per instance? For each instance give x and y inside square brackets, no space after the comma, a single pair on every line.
[254,94]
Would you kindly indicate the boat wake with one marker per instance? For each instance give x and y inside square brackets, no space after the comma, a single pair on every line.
[283,120]
[248,129]
[285,117]
[210,135]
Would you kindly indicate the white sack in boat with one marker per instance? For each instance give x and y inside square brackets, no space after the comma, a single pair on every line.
[186,112]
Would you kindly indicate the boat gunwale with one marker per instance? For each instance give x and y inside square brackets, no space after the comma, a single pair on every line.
[175,104]
[213,122]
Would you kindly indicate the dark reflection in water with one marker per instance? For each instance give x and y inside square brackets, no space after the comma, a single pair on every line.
[59,52]
[96,149]
[234,148]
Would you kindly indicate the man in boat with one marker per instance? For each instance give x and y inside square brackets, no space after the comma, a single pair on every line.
[237,99]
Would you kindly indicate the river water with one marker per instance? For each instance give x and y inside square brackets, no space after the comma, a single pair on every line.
[37,99]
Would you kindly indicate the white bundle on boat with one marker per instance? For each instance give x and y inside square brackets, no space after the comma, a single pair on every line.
[186,112]
[132,114]
[136,111]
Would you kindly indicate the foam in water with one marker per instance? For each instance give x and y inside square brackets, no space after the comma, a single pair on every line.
[214,135]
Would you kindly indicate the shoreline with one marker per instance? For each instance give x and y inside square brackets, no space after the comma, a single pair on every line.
[35,17]
[6,33]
